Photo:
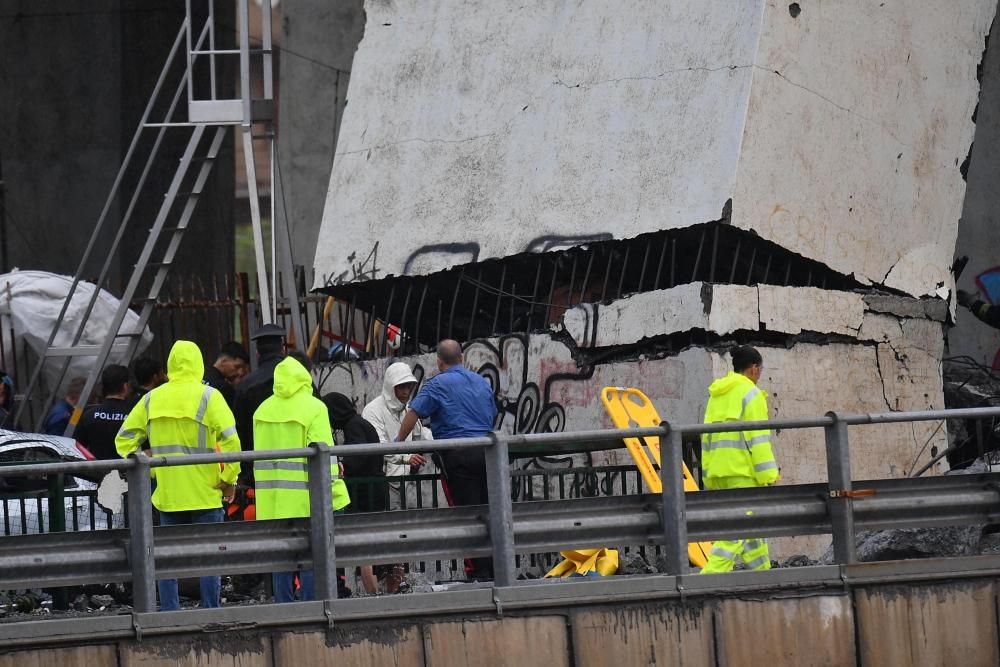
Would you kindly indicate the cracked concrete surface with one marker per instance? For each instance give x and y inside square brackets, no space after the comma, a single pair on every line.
[837,134]
[738,308]
[803,379]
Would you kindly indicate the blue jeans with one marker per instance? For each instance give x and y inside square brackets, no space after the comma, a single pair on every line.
[283,583]
[284,586]
[169,599]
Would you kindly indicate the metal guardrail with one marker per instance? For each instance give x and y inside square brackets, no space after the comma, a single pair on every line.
[534,526]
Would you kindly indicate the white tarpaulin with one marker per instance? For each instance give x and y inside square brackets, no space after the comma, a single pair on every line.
[30,302]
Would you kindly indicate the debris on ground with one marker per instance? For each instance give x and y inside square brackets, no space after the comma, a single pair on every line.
[798,560]
[903,543]
[634,563]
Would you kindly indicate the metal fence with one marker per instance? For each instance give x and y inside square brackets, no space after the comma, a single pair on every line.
[423,492]
[502,528]
[33,512]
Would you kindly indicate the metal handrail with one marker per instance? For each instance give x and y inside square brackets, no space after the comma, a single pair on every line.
[500,534]
[562,437]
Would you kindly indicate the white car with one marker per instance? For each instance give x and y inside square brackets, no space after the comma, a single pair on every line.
[24,505]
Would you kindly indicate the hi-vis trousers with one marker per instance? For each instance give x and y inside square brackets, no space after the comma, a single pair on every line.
[724,553]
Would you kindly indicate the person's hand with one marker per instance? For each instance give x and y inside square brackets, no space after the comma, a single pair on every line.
[228,491]
[417,460]
[965,298]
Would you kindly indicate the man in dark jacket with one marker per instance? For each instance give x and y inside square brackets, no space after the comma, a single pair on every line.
[369,497]
[100,423]
[257,387]
[232,362]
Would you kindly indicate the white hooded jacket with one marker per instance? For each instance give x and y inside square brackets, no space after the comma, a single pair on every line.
[386,413]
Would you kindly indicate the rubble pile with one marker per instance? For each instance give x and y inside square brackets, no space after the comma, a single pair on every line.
[968,384]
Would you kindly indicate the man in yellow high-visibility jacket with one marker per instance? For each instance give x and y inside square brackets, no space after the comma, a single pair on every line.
[291,418]
[738,459]
[181,417]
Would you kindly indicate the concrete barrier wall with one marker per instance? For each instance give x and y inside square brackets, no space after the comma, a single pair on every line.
[872,626]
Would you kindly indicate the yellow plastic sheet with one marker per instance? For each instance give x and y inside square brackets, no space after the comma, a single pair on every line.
[586,563]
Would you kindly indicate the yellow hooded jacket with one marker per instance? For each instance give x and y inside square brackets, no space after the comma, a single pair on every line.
[183,416]
[291,418]
[737,458]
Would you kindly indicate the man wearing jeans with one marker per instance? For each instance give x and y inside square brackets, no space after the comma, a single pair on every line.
[292,418]
[179,418]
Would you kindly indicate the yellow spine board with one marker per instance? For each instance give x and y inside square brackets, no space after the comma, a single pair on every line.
[629,407]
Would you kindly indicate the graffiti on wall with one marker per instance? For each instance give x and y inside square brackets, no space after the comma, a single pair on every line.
[361,267]
[522,407]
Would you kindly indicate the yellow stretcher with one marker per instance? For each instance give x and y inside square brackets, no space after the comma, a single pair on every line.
[630,408]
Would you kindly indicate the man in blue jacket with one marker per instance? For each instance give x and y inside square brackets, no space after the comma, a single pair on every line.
[459,404]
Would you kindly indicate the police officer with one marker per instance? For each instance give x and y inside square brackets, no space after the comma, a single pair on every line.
[100,423]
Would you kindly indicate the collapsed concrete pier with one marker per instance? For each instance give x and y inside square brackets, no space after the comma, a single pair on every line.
[586,196]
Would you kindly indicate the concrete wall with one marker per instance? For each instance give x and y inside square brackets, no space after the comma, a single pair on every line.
[318,44]
[837,133]
[874,626]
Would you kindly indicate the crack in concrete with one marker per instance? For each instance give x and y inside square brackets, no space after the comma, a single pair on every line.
[760,320]
[881,378]
[836,104]
[418,140]
[656,77]
[886,276]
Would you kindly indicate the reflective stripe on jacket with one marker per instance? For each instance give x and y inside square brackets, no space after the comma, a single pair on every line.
[182,417]
[290,419]
[745,454]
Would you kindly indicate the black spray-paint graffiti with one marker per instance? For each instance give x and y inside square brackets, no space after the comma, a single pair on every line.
[455,254]
[531,411]
[462,253]
[360,269]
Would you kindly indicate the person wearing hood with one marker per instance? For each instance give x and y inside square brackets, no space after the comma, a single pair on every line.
[178,418]
[292,417]
[386,413]
[257,386]
[738,459]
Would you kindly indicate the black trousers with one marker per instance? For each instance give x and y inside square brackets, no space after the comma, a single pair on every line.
[463,488]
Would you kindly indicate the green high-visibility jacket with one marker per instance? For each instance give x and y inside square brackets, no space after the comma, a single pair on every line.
[184,416]
[737,454]
[290,419]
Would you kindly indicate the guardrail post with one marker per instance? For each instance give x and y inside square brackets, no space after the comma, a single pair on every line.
[140,519]
[321,521]
[838,467]
[57,524]
[674,513]
[501,511]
